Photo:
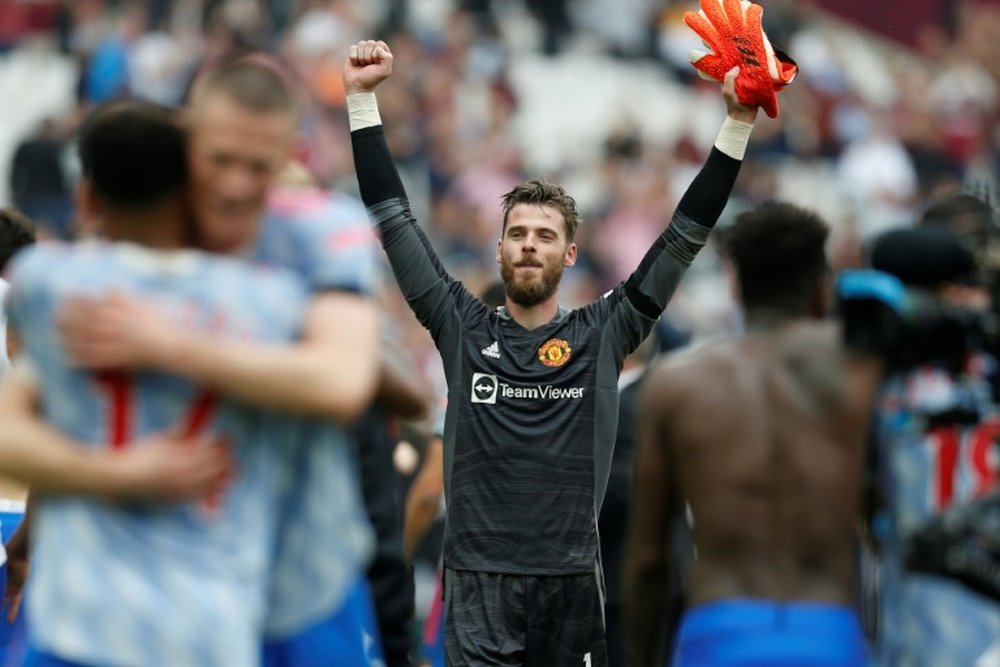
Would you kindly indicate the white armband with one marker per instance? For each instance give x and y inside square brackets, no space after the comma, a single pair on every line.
[733,138]
[362,111]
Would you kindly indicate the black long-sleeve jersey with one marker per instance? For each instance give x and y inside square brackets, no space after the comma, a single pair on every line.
[532,414]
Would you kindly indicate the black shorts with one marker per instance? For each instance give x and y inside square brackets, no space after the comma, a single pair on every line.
[523,621]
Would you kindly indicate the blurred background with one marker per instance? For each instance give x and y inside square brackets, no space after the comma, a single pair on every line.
[896,103]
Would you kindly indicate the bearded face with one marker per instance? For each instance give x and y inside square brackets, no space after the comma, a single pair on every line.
[533,253]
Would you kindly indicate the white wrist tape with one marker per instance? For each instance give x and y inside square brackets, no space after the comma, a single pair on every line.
[732,139]
[362,111]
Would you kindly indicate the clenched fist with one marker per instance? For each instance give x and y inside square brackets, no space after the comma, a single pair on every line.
[368,64]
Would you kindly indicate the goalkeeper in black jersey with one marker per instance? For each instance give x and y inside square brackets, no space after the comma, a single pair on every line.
[532,391]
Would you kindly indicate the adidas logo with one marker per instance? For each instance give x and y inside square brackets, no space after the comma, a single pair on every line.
[492,351]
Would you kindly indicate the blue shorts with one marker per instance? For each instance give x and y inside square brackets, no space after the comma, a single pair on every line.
[349,638]
[752,633]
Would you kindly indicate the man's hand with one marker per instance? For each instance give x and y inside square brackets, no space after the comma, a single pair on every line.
[159,469]
[734,108]
[17,574]
[732,30]
[368,64]
[114,333]
[17,562]
[166,469]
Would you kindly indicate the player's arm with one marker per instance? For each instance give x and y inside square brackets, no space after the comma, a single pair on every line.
[331,373]
[424,497]
[165,469]
[425,284]
[651,286]
[648,561]
[402,390]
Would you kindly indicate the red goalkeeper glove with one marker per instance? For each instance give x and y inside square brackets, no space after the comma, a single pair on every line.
[732,30]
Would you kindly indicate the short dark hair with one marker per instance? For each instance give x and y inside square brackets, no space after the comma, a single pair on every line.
[16,232]
[133,154]
[255,81]
[543,193]
[779,253]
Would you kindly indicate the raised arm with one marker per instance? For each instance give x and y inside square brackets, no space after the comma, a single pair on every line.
[425,284]
[652,285]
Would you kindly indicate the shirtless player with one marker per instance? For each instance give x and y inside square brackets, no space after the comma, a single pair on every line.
[763,437]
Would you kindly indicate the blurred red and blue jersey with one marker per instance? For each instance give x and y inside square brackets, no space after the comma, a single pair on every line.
[180,585]
[324,237]
[937,448]
[326,539]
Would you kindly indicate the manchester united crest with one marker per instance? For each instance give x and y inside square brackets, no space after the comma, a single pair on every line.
[554,352]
